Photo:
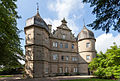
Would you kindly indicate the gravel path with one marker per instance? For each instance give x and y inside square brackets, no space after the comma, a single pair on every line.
[19,78]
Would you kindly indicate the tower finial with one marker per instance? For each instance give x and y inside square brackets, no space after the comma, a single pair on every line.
[38,15]
[37,8]
[84,22]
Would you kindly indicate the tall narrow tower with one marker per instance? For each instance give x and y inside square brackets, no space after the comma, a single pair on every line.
[37,47]
[86,49]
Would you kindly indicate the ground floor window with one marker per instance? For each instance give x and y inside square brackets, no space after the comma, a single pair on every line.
[66,69]
[75,69]
[61,70]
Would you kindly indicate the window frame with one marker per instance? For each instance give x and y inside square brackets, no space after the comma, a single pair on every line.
[72,46]
[87,57]
[63,36]
[87,44]
[55,57]
[66,45]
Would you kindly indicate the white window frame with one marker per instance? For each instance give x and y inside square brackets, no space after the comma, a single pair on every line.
[66,69]
[63,36]
[55,57]
[61,70]
[75,69]
[67,58]
[74,59]
[55,44]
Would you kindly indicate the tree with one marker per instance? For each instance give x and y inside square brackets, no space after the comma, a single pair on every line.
[107,14]
[10,49]
[107,65]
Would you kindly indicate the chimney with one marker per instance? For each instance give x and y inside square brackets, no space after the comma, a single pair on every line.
[50,27]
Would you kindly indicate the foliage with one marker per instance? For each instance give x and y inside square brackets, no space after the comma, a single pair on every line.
[89,80]
[10,49]
[9,70]
[107,14]
[1,76]
[107,65]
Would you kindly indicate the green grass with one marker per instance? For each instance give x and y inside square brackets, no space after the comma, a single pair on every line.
[1,76]
[90,80]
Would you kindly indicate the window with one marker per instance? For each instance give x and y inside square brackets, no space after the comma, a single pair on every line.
[55,44]
[61,45]
[72,46]
[66,69]
[87,45]
[88,57]
[60,69]
[75,69]
[66,45]
[55,56]
[67,58]
[74,58]
[28,36]
[29,52]
[63,36]
[46,70]
[62,57]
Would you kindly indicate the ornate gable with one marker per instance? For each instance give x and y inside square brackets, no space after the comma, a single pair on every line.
[63,32]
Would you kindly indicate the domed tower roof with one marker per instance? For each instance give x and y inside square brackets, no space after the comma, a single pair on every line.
[37,21]
[85,33]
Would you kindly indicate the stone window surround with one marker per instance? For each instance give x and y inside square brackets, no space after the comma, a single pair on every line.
[72,46]
[55,44]
[87,44]
[74,58]
[87,57]
[55,56]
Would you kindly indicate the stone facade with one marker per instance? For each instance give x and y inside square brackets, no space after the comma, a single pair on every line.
[58,52]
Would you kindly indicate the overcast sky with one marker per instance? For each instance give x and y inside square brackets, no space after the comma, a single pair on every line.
[53,11]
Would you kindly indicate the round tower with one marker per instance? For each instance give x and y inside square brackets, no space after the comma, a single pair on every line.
[86,49]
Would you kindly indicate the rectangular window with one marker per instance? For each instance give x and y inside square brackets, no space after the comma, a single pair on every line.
[61,45]
[55,56]
[66,45]
[63,36]
[75,69]
[88,57]
[60,69]
[55,44]
[66,69]
[87,45]
[46,70]
[74,59]
[62,58]
[72,46]
[28,37]
[67,58]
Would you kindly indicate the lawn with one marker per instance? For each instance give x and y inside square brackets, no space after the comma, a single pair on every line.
[6,76]
[90,80]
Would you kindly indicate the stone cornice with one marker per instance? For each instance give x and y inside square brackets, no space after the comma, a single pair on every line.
[50,49]
[37,27]
[86,51]
[62,39]
[86,38]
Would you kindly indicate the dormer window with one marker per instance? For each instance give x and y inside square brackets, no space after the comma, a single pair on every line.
[63,36]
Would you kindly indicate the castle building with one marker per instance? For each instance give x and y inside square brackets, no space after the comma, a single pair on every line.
[58,52]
